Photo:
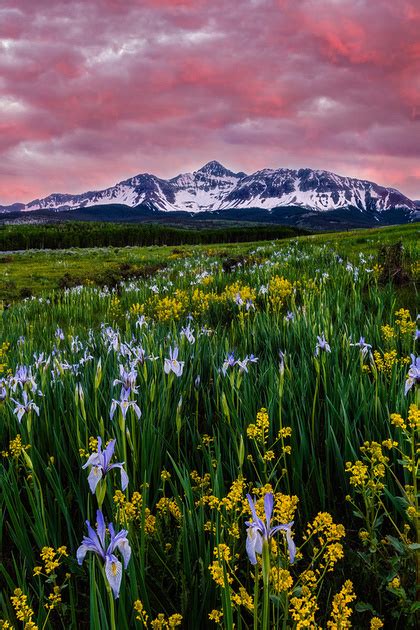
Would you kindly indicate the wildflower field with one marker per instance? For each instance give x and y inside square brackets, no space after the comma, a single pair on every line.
[228,442]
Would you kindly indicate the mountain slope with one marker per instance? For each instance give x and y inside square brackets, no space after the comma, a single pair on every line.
[214,188]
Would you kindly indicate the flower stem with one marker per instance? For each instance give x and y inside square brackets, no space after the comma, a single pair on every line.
[266,585]
[256,594]
[111,604]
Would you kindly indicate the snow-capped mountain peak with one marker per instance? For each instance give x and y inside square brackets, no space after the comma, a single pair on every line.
[214,187]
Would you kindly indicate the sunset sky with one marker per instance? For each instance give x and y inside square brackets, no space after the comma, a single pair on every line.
[96,91]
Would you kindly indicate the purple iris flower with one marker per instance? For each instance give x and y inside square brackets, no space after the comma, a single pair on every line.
[364,347]
[230,361]
[188,333]
[95,541]
[260,530]
[322,345]
[417,335]
[3,390]
[23,377]
[100,465]
[172,364]
[413,376]
[141,322]
[59,334]
[243,364]
[139,356]
[124,404]
[127,380]
[25,407]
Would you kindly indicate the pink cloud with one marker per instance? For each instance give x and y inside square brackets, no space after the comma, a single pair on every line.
[95,92]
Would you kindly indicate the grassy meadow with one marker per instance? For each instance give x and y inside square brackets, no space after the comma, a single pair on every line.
[285,371]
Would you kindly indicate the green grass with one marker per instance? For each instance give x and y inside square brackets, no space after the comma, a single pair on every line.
[34,271]
[332,405]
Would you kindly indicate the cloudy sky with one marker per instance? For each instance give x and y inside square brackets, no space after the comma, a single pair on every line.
[95,91]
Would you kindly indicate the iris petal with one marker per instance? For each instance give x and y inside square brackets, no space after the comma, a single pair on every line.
[253,544]
[94,478]
[113,572]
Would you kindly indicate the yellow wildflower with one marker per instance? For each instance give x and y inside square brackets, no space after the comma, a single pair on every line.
[281,579]
[54,598]
[141,614]
[340,614]
[216,615]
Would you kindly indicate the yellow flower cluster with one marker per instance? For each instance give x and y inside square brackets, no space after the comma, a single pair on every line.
[359,473]
[395,582]
[279,289]
[233,290]
[340,614]
[51,558]
[217,573]
[386,361]
[92,446]
[234,498]
[377,270]
[201,301]
[409,456]
[243,599]
[209,499]
[16,448]
[141,614]
[54,598]
[259,430]
[370,472]
[160,623]
[281,579]
[115,308]
[218,569]
[165,475]
[167,309]
[285,432]
[3,356]
[216,616]
[328,533]
[376,623]
[222,551]
[414,417]
[388,332]
[220,574]
[303,609]
[136,309]
[166,506]
[23,612]
[404,322]
[132,510]
[201,483]
[398,421]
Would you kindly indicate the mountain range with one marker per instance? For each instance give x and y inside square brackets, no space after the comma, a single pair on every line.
[302,196]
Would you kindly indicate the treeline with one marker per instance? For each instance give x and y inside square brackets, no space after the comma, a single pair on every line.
[87,234]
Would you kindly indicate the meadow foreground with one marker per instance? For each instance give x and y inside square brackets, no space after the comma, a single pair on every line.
[229,442]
